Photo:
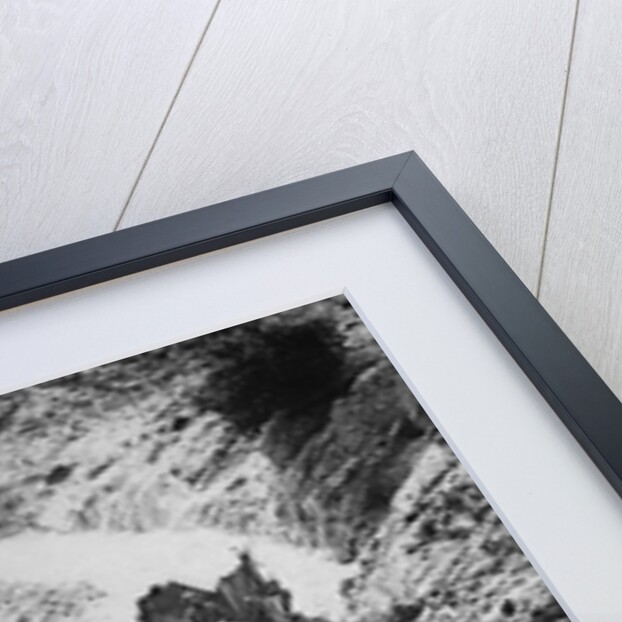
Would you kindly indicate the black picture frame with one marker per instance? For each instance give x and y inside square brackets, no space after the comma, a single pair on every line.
[572,388]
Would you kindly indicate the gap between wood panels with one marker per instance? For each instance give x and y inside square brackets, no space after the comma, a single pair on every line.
[167,115]
[562,115]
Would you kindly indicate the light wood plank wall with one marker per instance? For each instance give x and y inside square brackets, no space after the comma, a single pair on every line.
[282,91]
[114,115]
[84,87]
[582,271]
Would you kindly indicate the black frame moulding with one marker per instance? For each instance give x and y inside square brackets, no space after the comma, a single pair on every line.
[569,384]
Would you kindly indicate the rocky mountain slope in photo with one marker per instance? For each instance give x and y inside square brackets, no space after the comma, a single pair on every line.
[294,430]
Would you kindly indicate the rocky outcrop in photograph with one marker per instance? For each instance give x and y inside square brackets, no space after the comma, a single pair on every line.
[276,471]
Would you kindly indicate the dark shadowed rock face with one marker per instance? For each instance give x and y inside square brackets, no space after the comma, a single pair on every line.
[242,596]
[339,485]
[330,413]
[295,363]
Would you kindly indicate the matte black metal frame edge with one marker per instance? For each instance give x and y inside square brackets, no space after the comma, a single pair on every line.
[581,399]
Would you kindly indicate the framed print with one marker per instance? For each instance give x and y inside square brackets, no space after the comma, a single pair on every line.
[535,428]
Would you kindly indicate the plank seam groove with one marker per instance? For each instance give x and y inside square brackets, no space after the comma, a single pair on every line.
[167,114]
[547,217]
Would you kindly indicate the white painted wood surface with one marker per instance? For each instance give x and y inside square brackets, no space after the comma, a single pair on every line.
[282,91]
[582,275]
[84,87]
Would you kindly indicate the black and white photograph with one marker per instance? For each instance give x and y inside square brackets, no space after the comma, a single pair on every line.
[275,471]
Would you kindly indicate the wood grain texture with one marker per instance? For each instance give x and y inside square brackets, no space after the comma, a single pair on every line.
[582,271]
[84,87]
[280,92]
